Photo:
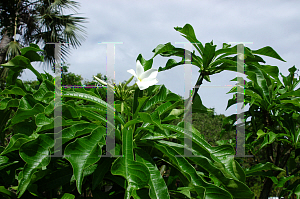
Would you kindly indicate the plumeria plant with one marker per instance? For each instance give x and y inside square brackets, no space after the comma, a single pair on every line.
[144,140]
[146,144]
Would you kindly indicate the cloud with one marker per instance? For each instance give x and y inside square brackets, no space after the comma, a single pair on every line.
[142,25]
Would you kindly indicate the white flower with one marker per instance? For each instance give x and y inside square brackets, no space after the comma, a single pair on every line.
[144,79]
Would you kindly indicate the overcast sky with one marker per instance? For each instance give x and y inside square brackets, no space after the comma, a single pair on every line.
[142,25]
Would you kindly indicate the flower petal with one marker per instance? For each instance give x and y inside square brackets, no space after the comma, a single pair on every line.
[151,73]
[132,72]
[145,83]
[142,86]
[139,69]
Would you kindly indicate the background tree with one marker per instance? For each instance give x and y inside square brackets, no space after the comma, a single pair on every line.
[38,22]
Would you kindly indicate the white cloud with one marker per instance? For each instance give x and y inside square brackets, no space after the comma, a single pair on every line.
[142,25]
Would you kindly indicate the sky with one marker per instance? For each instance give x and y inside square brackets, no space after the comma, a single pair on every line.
[142,25]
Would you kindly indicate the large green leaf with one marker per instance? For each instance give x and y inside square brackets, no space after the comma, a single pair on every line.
[136,173]
[259,78]
[268,51]
[36,154]
[8,102]
[15,143]
[44,123]
[45,92]
[167,50]
[14,91]
[153,118]
[28,107]
[208,54]
[102,111]
[189,33]
[226,169]
[205,190]
[31,53]
[158,188]
[21,62]
[84,152]
[88,97]
[261,167]
[159,97]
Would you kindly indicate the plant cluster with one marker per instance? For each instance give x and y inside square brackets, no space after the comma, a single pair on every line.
[148,158]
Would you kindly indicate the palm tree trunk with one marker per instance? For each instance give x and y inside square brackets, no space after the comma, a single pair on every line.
[3,44]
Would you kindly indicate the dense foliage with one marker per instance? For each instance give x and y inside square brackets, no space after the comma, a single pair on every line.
[148,160]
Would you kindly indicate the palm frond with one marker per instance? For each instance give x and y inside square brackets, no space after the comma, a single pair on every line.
[12,50]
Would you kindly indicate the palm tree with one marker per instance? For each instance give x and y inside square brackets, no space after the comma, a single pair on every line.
[39,22]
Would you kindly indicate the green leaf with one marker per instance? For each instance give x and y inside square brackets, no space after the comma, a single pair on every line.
[152,119]
[171,63]
[84,152]
[159,97]
[4,162]
[208,55]
[8,102]
[197,106]
[30,53]
[158,188]
[297,191]
[167,106]
[6,192]
[207,190]
[261,167]
[36,154]
[268,51]
[88,97]
[128,124]
[136,173]
[14,91]
[167,50]
[295,93]
[15,143]
[227,165]
[189,33]
[260,78]
[18,61]
[95,116]
[283,180]
[260,133]
[68,196]
[77,130]
[28,107]
[45,91]
[141,103]
[147,64]
[100,110]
